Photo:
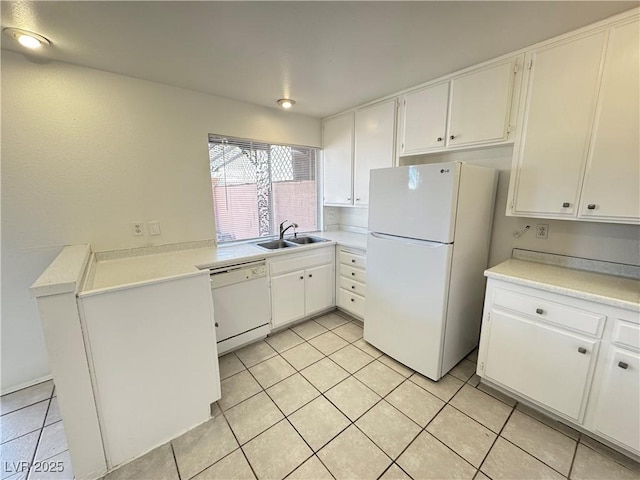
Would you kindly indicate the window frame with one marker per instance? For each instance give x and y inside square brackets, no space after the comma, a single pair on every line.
[318,172]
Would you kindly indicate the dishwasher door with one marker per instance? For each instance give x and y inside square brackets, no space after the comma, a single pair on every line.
[241,304]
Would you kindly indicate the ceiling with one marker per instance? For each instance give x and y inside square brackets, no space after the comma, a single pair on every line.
[328,56]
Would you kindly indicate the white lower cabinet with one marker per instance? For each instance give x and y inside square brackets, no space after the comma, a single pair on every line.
[301,285]
[578,360]
[351,273]
[548,365]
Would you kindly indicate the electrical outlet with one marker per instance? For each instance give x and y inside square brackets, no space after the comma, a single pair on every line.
[137,229]
[542,230]
[154,227]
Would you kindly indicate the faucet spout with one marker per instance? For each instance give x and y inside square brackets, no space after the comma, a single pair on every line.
[283,229]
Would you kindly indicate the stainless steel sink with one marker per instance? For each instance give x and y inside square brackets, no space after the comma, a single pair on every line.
[290,242]
[276,244]
[306,239]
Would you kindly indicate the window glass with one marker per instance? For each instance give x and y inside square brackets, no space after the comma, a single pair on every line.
[257,185]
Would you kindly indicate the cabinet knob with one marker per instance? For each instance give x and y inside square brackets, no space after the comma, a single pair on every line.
[349,198]
[566,205]
[439,139]
[353,274]
[452,137]
[301,277]
[357,199]
[623,365]
[353,260]
[591,206]
[216,324]
[582,350]
[352,300]
[539,311]
[310,275]
[353,287]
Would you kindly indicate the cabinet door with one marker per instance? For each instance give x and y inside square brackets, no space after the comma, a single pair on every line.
[374,128]
[550,366]
[480,105]
[287,298]
[424,118]
[618,411]
[559,110]
[337,154]
[612,185]
[319,288]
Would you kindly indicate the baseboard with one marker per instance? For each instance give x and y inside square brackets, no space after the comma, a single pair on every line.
[26,385]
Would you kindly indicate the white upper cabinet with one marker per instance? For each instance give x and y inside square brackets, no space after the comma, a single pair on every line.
[424,117]
[337,144]
[375,127]
[578,152]
[480,105]
[353,144]
[560,104]
[469,109]
[611,188]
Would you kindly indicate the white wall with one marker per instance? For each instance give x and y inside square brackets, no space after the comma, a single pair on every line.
[84,154]
[601,241]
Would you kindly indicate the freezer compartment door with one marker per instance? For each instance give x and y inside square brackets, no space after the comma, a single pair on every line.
[415,202]
[407,291]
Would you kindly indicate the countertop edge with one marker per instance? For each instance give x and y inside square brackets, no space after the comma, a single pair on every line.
[580,294]
[65,273]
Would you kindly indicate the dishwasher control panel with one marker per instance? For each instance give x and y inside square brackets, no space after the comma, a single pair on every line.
[233,274]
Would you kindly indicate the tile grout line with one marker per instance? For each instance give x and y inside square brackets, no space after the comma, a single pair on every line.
[575,454]
[35,451]
[495,440]
[175,460]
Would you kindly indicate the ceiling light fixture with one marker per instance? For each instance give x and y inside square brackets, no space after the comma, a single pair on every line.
[27,39]
[286,103]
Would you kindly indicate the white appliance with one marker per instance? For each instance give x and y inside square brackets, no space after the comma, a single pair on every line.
[241,304]
[427,248]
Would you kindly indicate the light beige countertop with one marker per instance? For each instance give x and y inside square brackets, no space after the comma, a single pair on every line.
[597,287]
[124,268]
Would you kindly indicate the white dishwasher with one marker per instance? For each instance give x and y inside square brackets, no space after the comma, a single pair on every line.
[241,304]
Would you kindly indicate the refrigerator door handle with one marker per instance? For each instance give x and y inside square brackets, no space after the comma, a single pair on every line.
[410,241]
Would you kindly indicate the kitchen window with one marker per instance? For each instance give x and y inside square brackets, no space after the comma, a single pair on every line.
[258,185]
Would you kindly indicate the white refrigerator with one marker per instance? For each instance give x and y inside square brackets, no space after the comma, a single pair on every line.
[427,248]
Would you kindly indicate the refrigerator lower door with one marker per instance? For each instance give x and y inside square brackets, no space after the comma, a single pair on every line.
[407,292]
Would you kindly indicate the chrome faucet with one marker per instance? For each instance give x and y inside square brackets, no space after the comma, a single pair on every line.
[283,230]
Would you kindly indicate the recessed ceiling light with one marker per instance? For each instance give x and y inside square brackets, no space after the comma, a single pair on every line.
[27,39]
[286,103]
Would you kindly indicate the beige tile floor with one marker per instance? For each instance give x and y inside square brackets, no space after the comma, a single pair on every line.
[316,401]
[34,445]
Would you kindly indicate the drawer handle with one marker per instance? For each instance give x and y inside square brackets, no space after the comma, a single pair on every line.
[352,300]
[566,205]
[591,206]
[582,350]
[623,365]
[539,311]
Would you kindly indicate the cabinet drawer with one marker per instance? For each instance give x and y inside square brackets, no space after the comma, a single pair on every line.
[626,334]
[352,286]
[569,317]
[353,273]
[353,259]
[351,302]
